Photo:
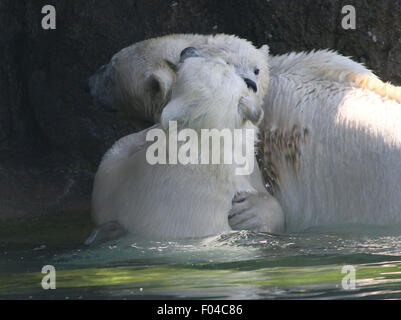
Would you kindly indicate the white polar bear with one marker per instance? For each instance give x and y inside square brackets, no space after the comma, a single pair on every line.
[177,201]
[325,162]
[332,141]
[139,78]
[138,82]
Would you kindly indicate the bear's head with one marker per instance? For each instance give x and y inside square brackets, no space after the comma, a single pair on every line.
[210,94]
[138,80]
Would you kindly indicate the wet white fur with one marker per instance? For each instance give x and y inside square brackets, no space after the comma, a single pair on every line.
[125,85]
[349,168]
[125,82]
[177,201]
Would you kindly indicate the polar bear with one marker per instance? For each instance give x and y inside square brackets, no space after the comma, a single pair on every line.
[171,201]
[308,112]
[332,141]
[138,80]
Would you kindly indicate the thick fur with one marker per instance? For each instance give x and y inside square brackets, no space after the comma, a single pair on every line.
[332,141]
[139,78]
[138,82]
[331,127]
[178,201]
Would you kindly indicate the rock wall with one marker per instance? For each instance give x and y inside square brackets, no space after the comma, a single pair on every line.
[52,137]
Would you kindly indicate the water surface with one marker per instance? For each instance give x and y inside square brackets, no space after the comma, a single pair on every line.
[238,265]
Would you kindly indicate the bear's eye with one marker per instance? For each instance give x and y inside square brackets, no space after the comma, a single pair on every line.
[256,71]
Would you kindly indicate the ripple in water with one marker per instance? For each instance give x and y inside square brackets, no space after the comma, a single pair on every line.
[236,265]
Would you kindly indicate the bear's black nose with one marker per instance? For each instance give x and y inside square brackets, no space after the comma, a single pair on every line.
[251,84]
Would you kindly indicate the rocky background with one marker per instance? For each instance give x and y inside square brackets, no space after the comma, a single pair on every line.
[52,137]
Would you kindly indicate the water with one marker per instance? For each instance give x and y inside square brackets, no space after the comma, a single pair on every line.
[238,265]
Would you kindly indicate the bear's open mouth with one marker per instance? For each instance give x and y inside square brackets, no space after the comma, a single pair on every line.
[251,85]
[249,111]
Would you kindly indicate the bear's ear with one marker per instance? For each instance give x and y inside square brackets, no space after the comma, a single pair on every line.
[159,84]
[264,49]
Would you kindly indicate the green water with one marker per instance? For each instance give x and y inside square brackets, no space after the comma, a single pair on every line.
[238,265]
